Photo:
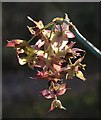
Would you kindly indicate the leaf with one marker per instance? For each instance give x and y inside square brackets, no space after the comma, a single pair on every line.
[14,42]
[80,75]
[21,46]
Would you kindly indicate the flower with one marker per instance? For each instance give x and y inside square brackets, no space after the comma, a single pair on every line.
[56,103]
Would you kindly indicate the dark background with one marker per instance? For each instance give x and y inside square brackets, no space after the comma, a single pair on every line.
[21,95]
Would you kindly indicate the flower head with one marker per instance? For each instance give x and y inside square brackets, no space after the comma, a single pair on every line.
[53,53]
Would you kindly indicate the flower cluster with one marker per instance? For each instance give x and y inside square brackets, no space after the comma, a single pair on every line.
[54,53]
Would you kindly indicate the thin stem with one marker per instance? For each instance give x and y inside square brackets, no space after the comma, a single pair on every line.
[70,61]
[55,97]
[51,31]
[46,26]
[31,39]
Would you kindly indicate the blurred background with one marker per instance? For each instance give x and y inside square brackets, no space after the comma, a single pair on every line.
[21,96]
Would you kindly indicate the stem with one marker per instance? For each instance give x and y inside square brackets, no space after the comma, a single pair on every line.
[51,31]
[70,61]
[83,40]
[46,26]
[55,97]
[31,39]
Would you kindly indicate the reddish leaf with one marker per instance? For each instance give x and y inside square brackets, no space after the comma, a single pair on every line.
[13,43]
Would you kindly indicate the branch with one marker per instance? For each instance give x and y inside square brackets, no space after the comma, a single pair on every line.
[85,42]
[82,39]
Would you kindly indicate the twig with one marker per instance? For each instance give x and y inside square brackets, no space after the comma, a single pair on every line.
[82,39]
